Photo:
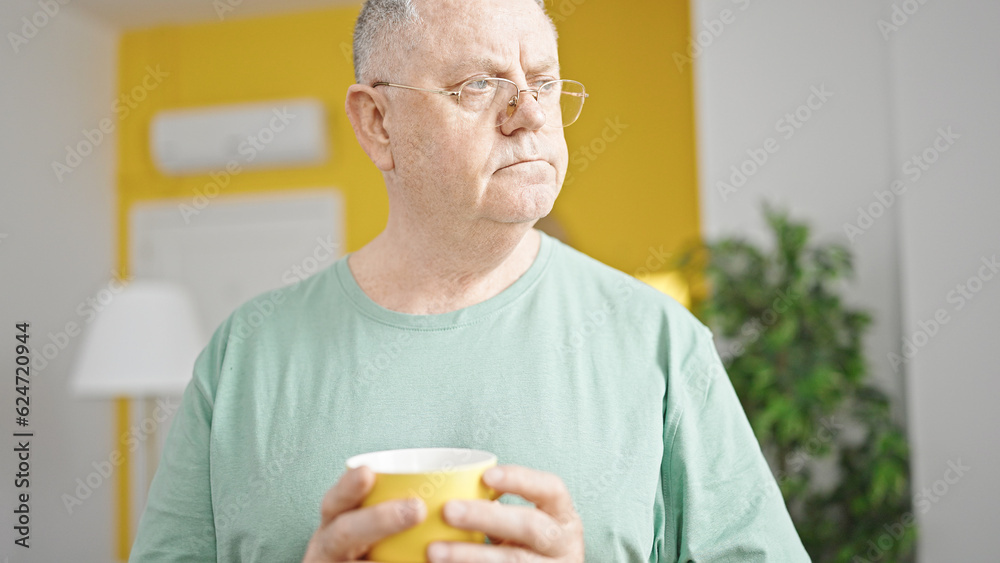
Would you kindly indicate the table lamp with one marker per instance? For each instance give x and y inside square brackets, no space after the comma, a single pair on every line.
[142,345]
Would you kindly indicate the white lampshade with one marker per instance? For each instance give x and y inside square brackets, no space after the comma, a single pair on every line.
[144,343]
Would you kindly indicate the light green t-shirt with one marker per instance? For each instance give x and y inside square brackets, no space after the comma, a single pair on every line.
[576,369]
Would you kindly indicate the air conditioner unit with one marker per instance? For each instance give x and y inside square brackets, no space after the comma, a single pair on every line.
[274,134]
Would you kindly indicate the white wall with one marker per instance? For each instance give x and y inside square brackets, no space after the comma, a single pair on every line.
[805,84]
[58,252]
[891,91]
[946,73]
[763,66]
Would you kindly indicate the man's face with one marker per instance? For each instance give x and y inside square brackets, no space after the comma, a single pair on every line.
[447,167]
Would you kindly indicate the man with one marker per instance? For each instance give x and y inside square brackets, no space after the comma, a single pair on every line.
[619,436]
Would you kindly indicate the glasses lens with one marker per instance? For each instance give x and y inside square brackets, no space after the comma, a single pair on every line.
[488,102]
[566,103]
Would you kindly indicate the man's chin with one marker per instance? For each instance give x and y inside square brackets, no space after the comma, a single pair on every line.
[529,204]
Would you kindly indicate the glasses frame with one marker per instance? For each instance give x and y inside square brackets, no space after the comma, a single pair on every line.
[511,105]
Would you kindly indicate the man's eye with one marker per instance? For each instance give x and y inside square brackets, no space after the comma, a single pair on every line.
[479,85]
[479,88]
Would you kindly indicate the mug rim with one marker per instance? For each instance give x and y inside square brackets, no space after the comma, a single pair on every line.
[482,458]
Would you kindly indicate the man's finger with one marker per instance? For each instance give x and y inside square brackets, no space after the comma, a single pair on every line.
[354,531]
[524,525]
[348,493]
[464,552]
[546,490]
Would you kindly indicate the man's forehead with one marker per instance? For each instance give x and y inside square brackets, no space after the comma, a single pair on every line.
[492,64]
[485,33]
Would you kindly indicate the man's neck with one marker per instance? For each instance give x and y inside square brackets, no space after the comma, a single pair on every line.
[424,273]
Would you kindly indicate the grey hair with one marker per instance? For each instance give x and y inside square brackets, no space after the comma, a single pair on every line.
[379,24]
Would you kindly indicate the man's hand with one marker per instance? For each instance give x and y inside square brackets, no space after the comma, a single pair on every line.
[346,532]
[549,532]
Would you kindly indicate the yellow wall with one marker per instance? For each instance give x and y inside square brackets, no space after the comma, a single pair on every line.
[639,192]
[642,190]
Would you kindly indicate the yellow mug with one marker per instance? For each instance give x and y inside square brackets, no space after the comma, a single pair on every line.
[435,475]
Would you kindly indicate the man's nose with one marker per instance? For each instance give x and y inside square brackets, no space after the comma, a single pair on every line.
[525,112]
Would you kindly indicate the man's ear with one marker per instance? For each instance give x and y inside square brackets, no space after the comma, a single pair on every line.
[366,109]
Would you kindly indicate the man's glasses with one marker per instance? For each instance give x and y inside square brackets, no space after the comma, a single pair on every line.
[490,102]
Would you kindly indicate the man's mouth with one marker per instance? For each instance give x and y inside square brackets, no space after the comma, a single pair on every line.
[529,161]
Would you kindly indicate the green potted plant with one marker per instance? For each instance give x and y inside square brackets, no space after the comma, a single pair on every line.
[793,351]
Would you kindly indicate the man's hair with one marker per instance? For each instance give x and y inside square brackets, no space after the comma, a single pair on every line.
[381,24]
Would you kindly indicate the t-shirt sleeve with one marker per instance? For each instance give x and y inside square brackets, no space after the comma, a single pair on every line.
[722,501]
[178,523]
